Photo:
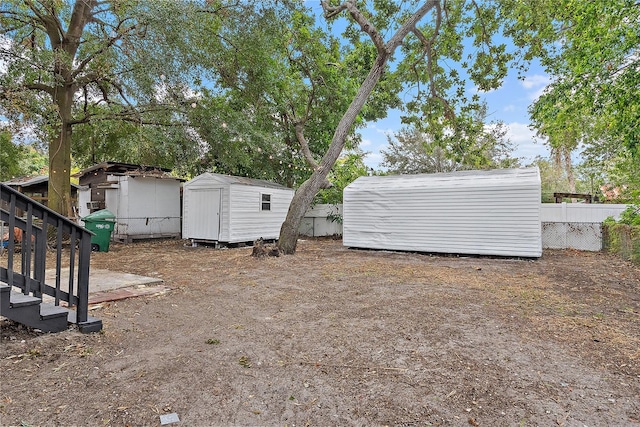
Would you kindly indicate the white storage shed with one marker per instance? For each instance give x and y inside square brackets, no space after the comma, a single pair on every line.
[144,199]
[232,209]
[145,207]
[495,212]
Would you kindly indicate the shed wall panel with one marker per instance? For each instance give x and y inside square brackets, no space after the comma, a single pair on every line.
[145,206]
[248,221]
[474,212]
[201,214]
[206,181]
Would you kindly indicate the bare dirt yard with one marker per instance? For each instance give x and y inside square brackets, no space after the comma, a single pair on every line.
[336,336]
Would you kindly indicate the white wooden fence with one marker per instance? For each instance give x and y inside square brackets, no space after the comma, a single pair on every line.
[322,220]
[579,212]
[575,225]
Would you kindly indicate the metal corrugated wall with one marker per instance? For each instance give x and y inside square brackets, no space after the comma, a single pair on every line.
[472,212]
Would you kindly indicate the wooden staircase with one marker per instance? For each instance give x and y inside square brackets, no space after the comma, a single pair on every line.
[22,289]
[30,311]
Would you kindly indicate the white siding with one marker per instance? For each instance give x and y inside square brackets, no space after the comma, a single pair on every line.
[145,207]
[197,209]
[241,217]
[225,214]
[579,212]
[248,221]
[201,213]
[154,206]
[472,212]
[115,200]
[84,197]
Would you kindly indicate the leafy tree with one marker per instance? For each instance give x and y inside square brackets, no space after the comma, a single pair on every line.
[75,63]
[33,161]
[553,179]
[110,140]
[347,169]
[278,122]
[590,178]
[479,146]
[411,151]
[10,156]
[19,159]
[591,49]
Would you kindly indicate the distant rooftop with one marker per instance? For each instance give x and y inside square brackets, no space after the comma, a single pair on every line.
[30,181]
[119,168]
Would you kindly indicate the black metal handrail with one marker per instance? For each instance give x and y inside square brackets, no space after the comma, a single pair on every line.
[34,227]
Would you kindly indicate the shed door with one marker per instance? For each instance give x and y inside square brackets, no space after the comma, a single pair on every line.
[206,203]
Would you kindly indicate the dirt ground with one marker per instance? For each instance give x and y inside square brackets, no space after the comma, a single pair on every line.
[335,336]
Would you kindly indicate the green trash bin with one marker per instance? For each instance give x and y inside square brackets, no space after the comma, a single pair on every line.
[101,223]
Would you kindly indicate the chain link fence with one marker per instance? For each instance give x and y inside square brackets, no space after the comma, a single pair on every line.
[623,240]
[584,236]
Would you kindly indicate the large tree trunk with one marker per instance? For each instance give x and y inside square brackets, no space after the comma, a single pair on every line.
[299,205]
[65,47]
[59,189]
[289,231]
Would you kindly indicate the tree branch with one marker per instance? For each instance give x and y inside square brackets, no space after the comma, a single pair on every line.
[366,25]
[109,43]
[304,145]
[50,24]
[332,11]
[41,87]
[127,115]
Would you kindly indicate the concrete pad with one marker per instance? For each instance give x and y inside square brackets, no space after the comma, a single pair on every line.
[102,280]
[106,285]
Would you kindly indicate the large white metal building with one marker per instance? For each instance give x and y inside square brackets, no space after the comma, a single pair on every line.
[232,209]
[495,212]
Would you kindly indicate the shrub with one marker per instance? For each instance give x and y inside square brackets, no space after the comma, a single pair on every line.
[630,216]
[622,239]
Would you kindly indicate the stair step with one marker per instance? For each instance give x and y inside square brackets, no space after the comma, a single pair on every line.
[47,317]
[22,300]
[32,312]
[4,297]
[50,311]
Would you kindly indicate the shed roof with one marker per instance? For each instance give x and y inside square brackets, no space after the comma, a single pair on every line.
[119,168]
[231,179]
[471,178]
[30,181]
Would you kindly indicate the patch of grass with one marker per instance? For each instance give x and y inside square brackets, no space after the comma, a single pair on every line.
[34,352]
[245,362]
[213,341]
